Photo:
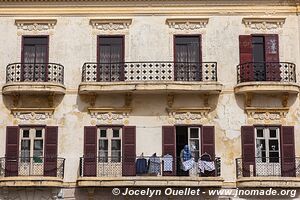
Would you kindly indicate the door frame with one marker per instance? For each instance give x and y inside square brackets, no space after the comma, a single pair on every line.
[47,53]
[122,78]
[174,50]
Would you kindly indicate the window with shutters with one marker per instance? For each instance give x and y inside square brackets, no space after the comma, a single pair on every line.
[109,144]
[259,58]
[32,144]
[267,151]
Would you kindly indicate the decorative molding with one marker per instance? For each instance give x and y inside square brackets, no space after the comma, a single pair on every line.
[259,114]
[109,114]
[181,114]
[187,24]
[35,24]
[263,23]
[32,113]
[110,24]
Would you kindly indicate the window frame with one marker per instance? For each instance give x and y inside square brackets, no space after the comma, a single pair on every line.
[109,137]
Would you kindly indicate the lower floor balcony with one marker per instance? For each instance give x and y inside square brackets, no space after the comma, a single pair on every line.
[268,172]
[31,172]
[149,171]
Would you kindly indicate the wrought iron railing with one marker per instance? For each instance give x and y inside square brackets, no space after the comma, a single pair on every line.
[268,166]
[35,72]
[113,167]
[266,71]
[32,166]
[149,71]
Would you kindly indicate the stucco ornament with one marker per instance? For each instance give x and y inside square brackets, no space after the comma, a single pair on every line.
[110,115]
[34,114]
[187,24]
[110,24]
[263,23]
[187,114]
[35,25]
[263,115]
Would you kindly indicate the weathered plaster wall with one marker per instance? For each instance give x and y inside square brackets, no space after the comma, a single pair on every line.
[73,42]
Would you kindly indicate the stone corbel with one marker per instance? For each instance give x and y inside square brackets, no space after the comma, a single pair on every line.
[92,99]
[51,100]
[205,100]
[248,99]
[128,100]
[16,98]
[170,100]
[91,193]
[285,99]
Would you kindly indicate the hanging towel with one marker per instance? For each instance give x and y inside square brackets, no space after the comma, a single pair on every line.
[168,163]
[141,166]
[206,166]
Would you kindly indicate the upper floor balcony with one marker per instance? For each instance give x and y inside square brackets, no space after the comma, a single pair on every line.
[266,77]
[31,171]
[148,170]
[157,77]
[34,78]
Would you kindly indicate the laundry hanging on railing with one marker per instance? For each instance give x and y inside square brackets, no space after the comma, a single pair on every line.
[154,164]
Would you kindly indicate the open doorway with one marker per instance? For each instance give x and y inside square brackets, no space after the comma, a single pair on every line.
[187,135]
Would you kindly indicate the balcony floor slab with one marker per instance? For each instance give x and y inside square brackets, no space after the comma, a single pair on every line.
[267,87]
[150,87]
[157,181]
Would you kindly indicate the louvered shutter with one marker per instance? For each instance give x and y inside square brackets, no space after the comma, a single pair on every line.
[208,140]
[288,168]
[12,151]
[129,151]
[248,149]
[272,57]
[90,151]
[50,156]
[246,58]
[169,146]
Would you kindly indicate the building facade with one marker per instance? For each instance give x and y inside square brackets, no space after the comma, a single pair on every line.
[95,91]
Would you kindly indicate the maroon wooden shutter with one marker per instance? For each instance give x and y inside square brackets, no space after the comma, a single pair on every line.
[169,146]
[208,140]
[248,149]
[129,154]
[50,160]
[246,70]
[272,57]
[288,168]
[90,151]
[12,151]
